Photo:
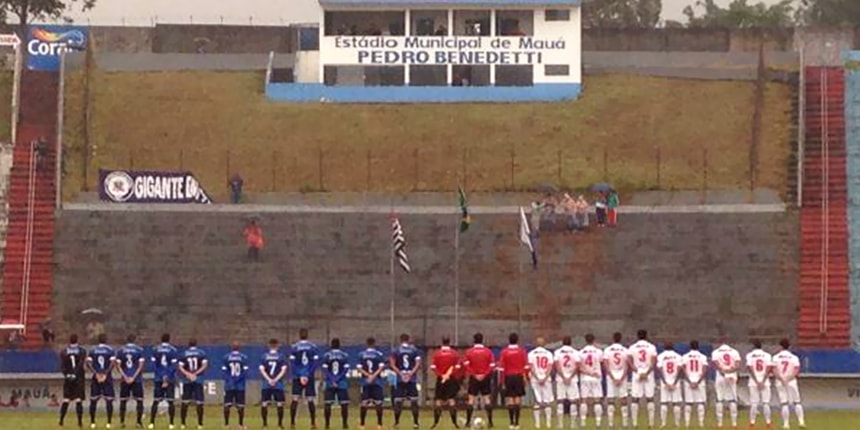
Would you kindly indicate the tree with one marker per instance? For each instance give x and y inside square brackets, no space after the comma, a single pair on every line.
[741,14]
[621,13]
[831,12]
[28,11]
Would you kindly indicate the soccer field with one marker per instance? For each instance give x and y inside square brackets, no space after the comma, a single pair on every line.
[816,420]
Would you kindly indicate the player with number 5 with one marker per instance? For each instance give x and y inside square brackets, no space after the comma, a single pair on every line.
[405,360]
[759,364]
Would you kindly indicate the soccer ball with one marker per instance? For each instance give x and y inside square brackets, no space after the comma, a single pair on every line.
[478,423]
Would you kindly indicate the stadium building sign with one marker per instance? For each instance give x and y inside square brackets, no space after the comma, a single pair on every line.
[443,50]
[125,186]
[47,43]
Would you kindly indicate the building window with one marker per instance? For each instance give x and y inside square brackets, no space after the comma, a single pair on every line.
[557,15]
[471,23]
[309,39]
[556,70]
[361,23]
[514,23]
[363,76]
[470,76]
[514,76]
[428,76]
[429,23]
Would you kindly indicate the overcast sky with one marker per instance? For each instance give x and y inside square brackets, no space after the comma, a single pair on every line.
[266,12]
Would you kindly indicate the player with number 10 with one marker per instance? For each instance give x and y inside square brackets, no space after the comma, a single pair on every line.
[234,371]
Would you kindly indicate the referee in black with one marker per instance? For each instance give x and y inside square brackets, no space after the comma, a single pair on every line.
[72,359]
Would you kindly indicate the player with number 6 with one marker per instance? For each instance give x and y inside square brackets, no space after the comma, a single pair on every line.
[303,359]
[759,364]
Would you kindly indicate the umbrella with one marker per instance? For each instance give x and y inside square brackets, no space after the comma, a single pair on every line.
[547,188]
[602,187]
[95,311]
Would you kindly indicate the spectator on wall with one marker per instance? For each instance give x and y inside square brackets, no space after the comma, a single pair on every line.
[600,208]
[254,238]
[582,212]
[48,335]
[40,151]
[236,183]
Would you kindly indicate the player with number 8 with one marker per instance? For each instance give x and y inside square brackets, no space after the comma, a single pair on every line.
[335,368]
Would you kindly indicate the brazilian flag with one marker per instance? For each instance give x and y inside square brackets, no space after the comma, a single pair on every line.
[465,220]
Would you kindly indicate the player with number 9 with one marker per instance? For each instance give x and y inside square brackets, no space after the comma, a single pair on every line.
[304,356]
[234,371]
[727,361]
[335,368]
[101,362]
[405,360]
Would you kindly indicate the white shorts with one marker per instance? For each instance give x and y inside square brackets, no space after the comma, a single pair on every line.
[591,389]
[695,395]
[565,391]
[543,393]
[762,396]
[788,393]
[671,396]
[726,389]
[613,391]
[642,388]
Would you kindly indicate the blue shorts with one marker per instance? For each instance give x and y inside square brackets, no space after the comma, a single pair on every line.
[167,392]
[102,389]
[275,395]
[309,391]
[192,392]
[406,391]
[234,398]
[133,390]
[341,394]
[372,394]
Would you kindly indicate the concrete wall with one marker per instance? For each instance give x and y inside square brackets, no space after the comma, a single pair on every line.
[680,275]
[852,131]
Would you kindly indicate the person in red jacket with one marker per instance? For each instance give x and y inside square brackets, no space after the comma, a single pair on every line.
[445,363]
[479,365]
[513,364]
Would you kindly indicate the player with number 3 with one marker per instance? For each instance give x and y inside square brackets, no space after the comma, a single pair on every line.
[644,356]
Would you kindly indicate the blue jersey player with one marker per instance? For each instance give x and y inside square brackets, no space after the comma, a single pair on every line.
[72,362]
[164,359]
[273,369]
[335,364]
[235,370]
[371,364]
[130,361]
[192,364]
[101,362]
[405,361]
[303,361]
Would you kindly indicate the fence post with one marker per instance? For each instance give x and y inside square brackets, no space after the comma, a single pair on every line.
[274,169]
[659,163]
[560,182]
[227,165]
[605,164]
[320,168]
[369,157]
[705,170]
[464,175]
[513,167]
[416,177]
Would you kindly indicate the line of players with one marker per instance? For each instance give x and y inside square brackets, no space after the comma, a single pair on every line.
[575,376]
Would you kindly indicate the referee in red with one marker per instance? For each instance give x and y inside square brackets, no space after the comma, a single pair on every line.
[446,362]
[479,364]
[513,364]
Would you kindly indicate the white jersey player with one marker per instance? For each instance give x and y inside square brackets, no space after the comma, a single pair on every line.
[759,364]
[567,361]
[669,364]
[590,375]
[643,354]
[786,367]
[616,362]
[541,364]
[695,368]
[727,361]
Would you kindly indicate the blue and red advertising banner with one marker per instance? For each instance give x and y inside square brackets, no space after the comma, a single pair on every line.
[46,43]
[135,186]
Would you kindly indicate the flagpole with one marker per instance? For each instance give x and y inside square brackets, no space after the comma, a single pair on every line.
[520,296]
[457,283]
[391,310]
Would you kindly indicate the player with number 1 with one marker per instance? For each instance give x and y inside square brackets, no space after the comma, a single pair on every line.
[72,361]
[192,364]
[234,371]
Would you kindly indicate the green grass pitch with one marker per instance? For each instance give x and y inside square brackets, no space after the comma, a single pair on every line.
[815,420]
